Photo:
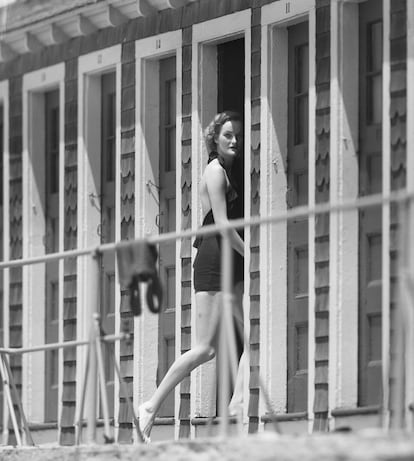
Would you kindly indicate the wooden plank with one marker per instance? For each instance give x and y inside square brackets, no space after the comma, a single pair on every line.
[322,350]
[184,412]
[321,399]
[185,387]
[254,313]
[125,433]
[253,409]
[254,284]
[321,372]
[255,260]
[125,414]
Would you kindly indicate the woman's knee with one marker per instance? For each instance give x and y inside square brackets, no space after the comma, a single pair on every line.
[206,352]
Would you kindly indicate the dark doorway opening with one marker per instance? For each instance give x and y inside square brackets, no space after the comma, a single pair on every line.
[230,94]
[230,70]
[230,97]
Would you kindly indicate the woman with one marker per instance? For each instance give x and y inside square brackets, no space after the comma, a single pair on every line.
[220,202]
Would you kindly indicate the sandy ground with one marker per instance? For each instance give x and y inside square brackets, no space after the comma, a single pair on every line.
[260,447]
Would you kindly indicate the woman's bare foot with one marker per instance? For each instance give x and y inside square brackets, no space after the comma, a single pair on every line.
[146,417]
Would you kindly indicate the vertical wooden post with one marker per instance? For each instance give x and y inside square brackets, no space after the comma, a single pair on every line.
[91,390]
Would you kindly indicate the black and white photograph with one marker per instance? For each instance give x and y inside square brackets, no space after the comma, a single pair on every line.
[206,230]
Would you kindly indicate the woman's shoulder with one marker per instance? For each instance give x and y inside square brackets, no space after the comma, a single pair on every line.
[214,168]
[214,172]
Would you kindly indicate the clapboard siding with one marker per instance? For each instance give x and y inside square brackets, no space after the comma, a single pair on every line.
[16,232]
[67,422]
[125,418]
[254,340]
[186,144]
[322,122]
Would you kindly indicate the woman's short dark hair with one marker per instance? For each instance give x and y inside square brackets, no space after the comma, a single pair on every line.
[214,127]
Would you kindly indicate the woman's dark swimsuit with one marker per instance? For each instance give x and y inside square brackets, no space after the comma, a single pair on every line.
[207,264]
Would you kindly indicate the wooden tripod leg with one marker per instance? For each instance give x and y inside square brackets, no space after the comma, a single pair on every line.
[129,403]
[82,405]
[6,388]
[262,386]
[102,384]
[19,403]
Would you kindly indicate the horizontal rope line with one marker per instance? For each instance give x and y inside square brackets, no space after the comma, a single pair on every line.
[293,213]
[60,345]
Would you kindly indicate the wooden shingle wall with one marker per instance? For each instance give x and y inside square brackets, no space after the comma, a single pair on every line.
[163,21]
[322,121]
[67,418]
[254,341]
[127,228]
[398,114]
[186,268]
[16,232]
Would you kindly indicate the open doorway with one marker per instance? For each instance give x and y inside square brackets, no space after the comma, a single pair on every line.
[230,97]
[230,92]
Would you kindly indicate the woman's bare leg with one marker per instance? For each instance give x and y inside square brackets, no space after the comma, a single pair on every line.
[207,311]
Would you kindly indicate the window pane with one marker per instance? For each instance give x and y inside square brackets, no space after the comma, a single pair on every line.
[170,118]
[302,71]
[301,347]
[54,368]
[172,85]
[108,126]
[109,293]
[301,271]
[374,325]
[54,297]
[374,170]
[374,72]
[108,225]
[170,301]
[170,157]
[375,46]
[375,99]
[301,188]
[374,257]
[171,215]
[52,141]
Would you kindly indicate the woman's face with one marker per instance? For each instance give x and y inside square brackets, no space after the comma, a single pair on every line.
[228,140]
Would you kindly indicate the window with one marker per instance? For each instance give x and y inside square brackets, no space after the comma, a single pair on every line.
[370,220]
[169,124]
[300,96]
[374,72]
[108,126]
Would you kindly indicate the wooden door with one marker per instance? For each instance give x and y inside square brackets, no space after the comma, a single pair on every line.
[52,246]
[297,194]
[1,254]
[370,182]
[107,226]
[166,222]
